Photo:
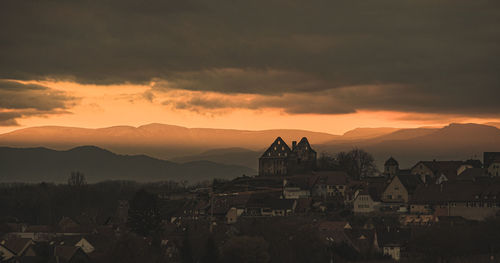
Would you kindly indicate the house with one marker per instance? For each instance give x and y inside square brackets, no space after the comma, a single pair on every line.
[468,164]
[494,167]
[296,187]
[472,174]
[36,232]
[436,171]
[76,241]
[280,160]
[470,200]
[262,205]
[194,209]
[14,247]
[221,204]
[232,215]
[418,220]
[329,183]
[334,232]
[393,242]
[366,202]
[489,158]
[400,188]
[303,205]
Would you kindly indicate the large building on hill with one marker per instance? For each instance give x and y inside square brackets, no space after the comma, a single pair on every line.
[280,160]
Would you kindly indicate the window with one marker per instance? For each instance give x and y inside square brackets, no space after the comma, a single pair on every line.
[389,196]
[400,197]
[396,188]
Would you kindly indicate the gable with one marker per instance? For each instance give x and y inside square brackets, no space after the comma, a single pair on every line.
[303,146]
[278,149]
[396,186]
[6,253]
[85,245]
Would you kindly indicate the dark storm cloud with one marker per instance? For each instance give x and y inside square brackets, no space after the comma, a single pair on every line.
[18,100]
[442,55]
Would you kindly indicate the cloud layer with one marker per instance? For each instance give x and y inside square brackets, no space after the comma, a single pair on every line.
[18,100]
[428,56]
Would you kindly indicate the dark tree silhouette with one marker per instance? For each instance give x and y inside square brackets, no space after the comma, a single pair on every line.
[357,163]
[144,214]
[327,162]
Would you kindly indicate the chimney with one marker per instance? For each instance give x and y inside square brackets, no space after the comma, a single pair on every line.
[294,144]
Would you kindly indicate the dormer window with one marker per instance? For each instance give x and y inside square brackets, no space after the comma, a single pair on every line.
[279,142]
[275,148]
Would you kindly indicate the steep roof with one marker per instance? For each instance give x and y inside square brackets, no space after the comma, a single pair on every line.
[66,253]
[333,231]
[472,174]
[303,145]
[410,182]
[16,245]
[445,167]
[278,149]
[392,237]
[489,157]
[458,191]
[474,163]
[375,190]
[330,178]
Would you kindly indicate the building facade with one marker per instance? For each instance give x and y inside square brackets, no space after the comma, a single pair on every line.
[280,160]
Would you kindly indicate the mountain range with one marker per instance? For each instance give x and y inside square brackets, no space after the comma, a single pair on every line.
[241,148]
[42,164]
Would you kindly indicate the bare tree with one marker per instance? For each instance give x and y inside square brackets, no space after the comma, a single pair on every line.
[77,179]
[357,163]
[327,162]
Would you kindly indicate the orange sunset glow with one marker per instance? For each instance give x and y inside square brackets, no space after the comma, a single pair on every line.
[253,131]
[96,106]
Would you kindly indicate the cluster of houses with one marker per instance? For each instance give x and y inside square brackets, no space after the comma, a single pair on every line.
[67,242]
[430,192]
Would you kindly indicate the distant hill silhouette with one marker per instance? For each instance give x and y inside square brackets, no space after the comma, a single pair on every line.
[238,156]
[367,133]
[157,140]
[455,141]
[42,164]
[242,148]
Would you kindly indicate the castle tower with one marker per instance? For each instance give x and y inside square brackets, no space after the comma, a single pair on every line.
[391,167]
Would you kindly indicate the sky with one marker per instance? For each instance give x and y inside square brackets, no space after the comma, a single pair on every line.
[318,65]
